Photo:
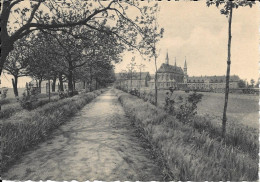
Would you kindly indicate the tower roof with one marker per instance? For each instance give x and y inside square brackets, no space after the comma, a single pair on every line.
[166,68]
[167,58]
[185,64]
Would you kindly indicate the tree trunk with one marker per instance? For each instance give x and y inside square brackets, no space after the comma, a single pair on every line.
[49,85]
[91,79]
[74,83]
[70,84]
[54,83]
[96,84]
[84,84]
[61,82]
[14,82]
[70,79]
[131,80]
[155,81]
[6,46]
[227,76]
[40,85]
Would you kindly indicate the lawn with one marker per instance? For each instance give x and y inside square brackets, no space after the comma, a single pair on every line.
[241,108]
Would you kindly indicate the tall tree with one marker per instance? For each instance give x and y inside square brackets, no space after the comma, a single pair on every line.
[40,65]
[152,35]
[17,62]
[227,10]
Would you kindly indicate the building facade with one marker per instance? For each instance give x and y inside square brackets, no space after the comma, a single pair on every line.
[212,83]
[169,75]
[132,81]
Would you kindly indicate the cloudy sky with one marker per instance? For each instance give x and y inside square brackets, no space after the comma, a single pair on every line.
[200,33]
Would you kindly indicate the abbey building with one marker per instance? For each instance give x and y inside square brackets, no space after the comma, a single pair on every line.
[174,76]
[170,75]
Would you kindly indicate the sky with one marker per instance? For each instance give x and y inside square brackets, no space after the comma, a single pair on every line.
[200,34]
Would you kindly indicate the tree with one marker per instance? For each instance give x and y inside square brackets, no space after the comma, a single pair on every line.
[227,9]
[40,63]
[152,34]
[17,62]
[131,69]
[58,15]
[241,83]
[252,81]
[140,67]
[257,84]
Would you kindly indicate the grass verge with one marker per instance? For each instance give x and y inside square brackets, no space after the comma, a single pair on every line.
[28,128]
[190,154]
[10,109]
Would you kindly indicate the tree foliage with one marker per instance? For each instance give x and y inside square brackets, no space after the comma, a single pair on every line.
[112,17]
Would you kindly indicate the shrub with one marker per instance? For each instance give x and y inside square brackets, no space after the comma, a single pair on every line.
[189,108]
[8,110]
[4,93]
[63,94]
[4,101]
[183,109]
[27,101]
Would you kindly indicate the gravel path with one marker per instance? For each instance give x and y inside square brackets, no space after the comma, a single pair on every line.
[99,143]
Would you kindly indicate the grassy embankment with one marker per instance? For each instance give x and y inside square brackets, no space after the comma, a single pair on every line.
[10,106]
[195,151]
[28,128]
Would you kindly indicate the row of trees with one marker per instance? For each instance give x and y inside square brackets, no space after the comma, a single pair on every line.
[71,40]
[245,84]
[48,56]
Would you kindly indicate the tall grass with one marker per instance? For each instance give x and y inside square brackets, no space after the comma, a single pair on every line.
[6,101]
[10,109]
[190,154]
[237,135]
[28,128]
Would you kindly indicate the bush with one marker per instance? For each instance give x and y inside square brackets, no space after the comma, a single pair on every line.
[27,101]
[4,93]
[183,109]
[134,92]
[189,108]
[8,110]
[63,94]
[29,128]
[4,101]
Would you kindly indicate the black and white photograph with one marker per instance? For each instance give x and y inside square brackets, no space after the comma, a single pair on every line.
[129,90]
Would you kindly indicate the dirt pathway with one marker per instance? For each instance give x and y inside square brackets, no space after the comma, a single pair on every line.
[99,143]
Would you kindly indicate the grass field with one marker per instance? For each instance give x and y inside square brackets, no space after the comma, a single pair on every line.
[241,108]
